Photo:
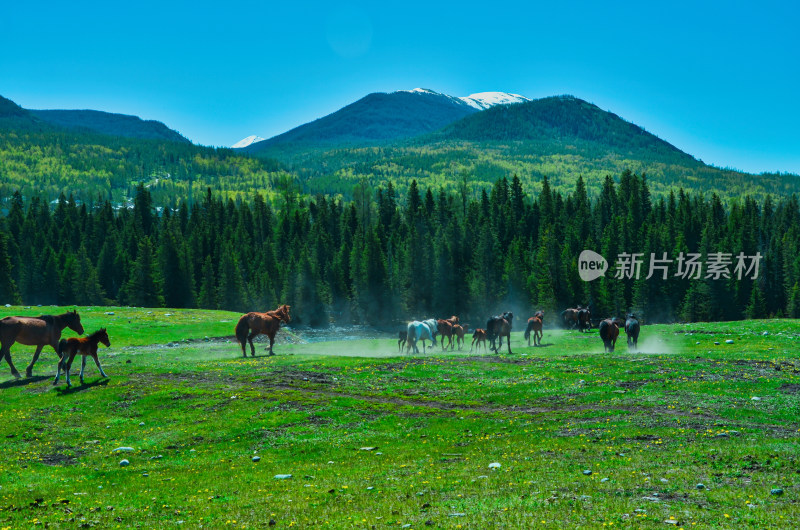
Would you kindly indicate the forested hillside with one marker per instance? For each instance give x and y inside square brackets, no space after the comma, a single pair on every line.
[94,167]
[558,137]
[382,258]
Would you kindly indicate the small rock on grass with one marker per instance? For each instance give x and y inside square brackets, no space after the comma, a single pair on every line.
[124,463]
[283,477]
[495,465]
[776,491]
[700,486]
[587,472]
[256,459]
[367,448]
[123,450]
[729,341]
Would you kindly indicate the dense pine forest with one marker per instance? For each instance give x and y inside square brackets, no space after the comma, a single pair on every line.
[380,258]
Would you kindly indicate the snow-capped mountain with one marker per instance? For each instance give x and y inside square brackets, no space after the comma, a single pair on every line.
[484,100]
[244,142]
[384,117]
[480,100]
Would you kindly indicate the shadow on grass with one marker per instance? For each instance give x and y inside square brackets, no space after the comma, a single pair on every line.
[80,387]
[23,382]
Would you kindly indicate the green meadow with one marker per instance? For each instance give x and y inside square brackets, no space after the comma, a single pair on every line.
[684,433]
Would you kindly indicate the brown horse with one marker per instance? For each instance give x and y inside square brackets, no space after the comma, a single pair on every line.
[69,348]
[570,317]
[444,328]
[258,323]
[479,336]
[458,332]
[35,331]
[584,319]
[499,327]
[535,325]
[609,331]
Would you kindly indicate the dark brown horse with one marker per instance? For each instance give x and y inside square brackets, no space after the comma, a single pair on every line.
[584,319]
[69,348]
[570,317]
[458,333]
[609,331]
[535,325]
[261,323]
[478,336]
[498,327]
[35,331]
[444,327]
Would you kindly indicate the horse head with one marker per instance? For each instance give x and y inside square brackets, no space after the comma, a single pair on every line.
[283,313]
[508,316]
[74,322]
[103,337]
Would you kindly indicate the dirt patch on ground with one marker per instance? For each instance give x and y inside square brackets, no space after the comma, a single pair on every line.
[64,457]
[790,388]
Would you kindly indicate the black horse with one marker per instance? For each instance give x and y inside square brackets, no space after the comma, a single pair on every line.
[499,327]
[402,335]
[632,330]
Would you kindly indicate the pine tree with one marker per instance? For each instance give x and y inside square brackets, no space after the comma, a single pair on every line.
[144,285]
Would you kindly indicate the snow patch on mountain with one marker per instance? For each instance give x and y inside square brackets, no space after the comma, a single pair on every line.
[480,100]
[484,100]
[244,142]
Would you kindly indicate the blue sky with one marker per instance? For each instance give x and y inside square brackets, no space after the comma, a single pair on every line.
[719,80]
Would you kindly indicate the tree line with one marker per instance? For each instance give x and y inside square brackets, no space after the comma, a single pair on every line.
[379,259]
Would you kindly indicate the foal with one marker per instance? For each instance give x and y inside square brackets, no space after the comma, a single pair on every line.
[69,348]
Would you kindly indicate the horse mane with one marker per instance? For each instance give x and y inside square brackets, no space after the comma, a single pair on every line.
[47,318]
[96,333]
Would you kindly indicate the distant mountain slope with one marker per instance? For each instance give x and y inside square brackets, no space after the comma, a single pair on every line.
[375,119]
[558,137]
[109,123]
[12,116]
[555,122]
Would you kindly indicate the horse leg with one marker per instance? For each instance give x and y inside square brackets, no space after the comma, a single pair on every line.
[69,365]
[97,362]
[83,366]
[29,369]
[250,340]
[271,342]
[508,340]
[5,353]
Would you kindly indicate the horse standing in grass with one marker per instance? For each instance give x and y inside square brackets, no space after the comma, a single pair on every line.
[35,331]
[458,333]
[444,327]
[402,336]
[584,319]
[609,331]
[499,327]
[535,325]
[570,317]
[421,331]
[87,347]
[261,323]
[632,331]
[478,336]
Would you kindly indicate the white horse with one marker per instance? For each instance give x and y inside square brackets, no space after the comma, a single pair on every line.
[425,330]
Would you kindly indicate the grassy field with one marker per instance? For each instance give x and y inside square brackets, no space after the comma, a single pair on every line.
[683,434]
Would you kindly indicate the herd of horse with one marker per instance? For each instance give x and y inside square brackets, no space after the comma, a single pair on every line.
[45,330]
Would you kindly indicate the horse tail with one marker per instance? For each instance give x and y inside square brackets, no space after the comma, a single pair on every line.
[490,334]
[62,345]
[242,327]
[528,330]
